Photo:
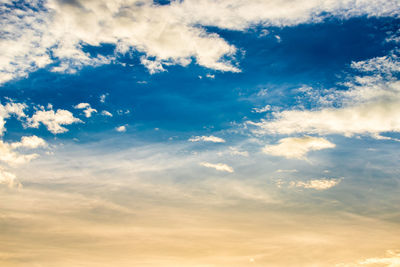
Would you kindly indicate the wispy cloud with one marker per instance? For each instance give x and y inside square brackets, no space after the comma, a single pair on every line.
[218,166]
[318,184]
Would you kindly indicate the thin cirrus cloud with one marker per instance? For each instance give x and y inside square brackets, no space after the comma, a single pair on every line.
[35,35]
[297,147]
[211,138]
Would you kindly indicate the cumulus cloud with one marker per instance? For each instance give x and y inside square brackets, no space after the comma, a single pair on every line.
[34,35]
[30,142]
[53,120]
[10,157]
[210,138]
[297,147]
[87,109]
[317,184]
[218,166]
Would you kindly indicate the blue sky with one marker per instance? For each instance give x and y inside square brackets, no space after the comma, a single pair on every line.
[201,121]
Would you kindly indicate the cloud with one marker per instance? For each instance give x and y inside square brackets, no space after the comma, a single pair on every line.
[103,98]
[385,64]
[10,157]
[219,166]
[369,106]
[34,35]
[297,147]
[121,129]
[30,142]
[318,184]
[106,113]
[210,138]
[236,152]
[9,109]
[87,109]
[392,260]
[52,120]
[262,110]
[153,66]
[9,179]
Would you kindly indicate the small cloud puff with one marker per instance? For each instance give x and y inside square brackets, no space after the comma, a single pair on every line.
[210,138]
[219,166]
[121,129]
[106,113]
[297,147]
[87,109]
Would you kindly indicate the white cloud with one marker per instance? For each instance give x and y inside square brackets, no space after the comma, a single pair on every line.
[7,155]
[385,64]
[30,142]
[171,34]
[392,260]
[318,184]
[262,110]
[153,66]
[219,166]
[52,120]
[121,129]
[210,76]
[370,106]
[9,179]
[87,109]
[297,147]
[106,113]
[210,138]
[10,109]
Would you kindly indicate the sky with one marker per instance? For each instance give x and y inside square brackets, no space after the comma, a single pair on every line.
[199,133]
